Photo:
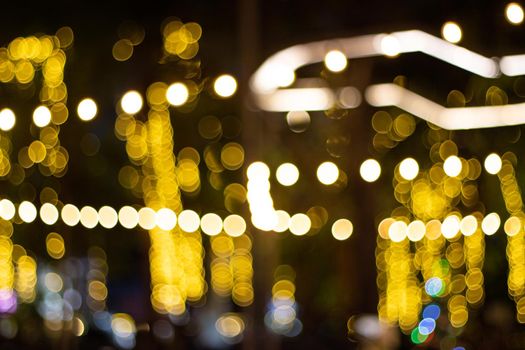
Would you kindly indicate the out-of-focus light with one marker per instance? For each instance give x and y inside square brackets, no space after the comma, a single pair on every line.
[427,326]
[87,109]
[131,102]
[416,230]
[490,224]
[229,326]
[431,311]
[514,13]
[225,85]
[390,46]
[70,215]
[128,217]
[108,217]
[283,221]
[234,225]
[7,119]
[452,166]
[370,170]
[451,32]
[258,170]
[166,219]
[211,224]
[300,224]
[468,225]
[41,116]
[493,163]
[512,226]
[434,286]
[7,209]
[327,173]
[147,218]
[342,229]
[189,221]
[27,211]
[177,94]
[450,226]
[48,213]
[88,217]
[53,282]
[397,231]
[409,169]
[287,174]
[335,61]
[298,121]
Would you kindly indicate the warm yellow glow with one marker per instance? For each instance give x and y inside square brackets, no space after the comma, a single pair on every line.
[177,94]
[128,217]
[514,13]
[490,224]
[41,116]
[53,282]
[300,224]
[108,217]
[397,231]
[55,245]
[229,325]
[298,121]
[451,32]
[468,225]
[512,226]
[342,229]
[234,225]
[87,109]
[493,163]
[189,221]
[7,209]
[409,169]
[327,173]
[335,61]
[450,226]
[7,119]
[48,213]
[283,221]
[452,166]
[258,170]
[70,215]
[416,230]
[27,211]
[166,219]
[287,174]
[390,46]
[225,85]
[88,217]
[370,170]
[131,102]
[147,218]
[211,224]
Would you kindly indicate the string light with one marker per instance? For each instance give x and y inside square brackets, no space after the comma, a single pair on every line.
[87,109]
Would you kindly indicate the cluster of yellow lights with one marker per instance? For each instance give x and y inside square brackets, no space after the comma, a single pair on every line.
[284,314]
[7,270]
[182,39]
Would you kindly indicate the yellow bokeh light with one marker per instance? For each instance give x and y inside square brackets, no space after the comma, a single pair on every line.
[177,94]
[283,221]
[49,213]
[88,217]
[416,230]
[7,209]
[370,170]
[229,325]
[287,174]
[450,226]
[7,119]
[512,226]
[409,169]
[342,229]
[42,116]
[108,217]
[490,224]
[27,211]
[300,224]
[189,221]
[397,231]
[211,224]
[514,13]
[468,225]
[55,245]
[451,32]
[335,61]
[234,225]
[258,170]
[166,219]
[452,166]
[147,218]
[131,102]
[87,109]
[327,173]
[128,217]
[70,215]
[225,85]
[493,163]
[390,46]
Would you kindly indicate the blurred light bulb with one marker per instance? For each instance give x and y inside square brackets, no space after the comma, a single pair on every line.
[225,85]
[327,173]
[335,61]
[177,94]
[370,170]
[131,102]
[451,32]
[42,116]
[87,109]
[287,174]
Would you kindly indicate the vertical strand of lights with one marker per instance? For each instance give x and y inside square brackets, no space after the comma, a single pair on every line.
[281,317]
[241,264]
[515,237]
[8,301]
[176,257]
[474,250]
[221,272]
[455,281]
[259,198]
[25,279]
[97,292]
[382,250]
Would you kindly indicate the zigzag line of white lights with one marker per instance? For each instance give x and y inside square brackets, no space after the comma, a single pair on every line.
[278,72]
